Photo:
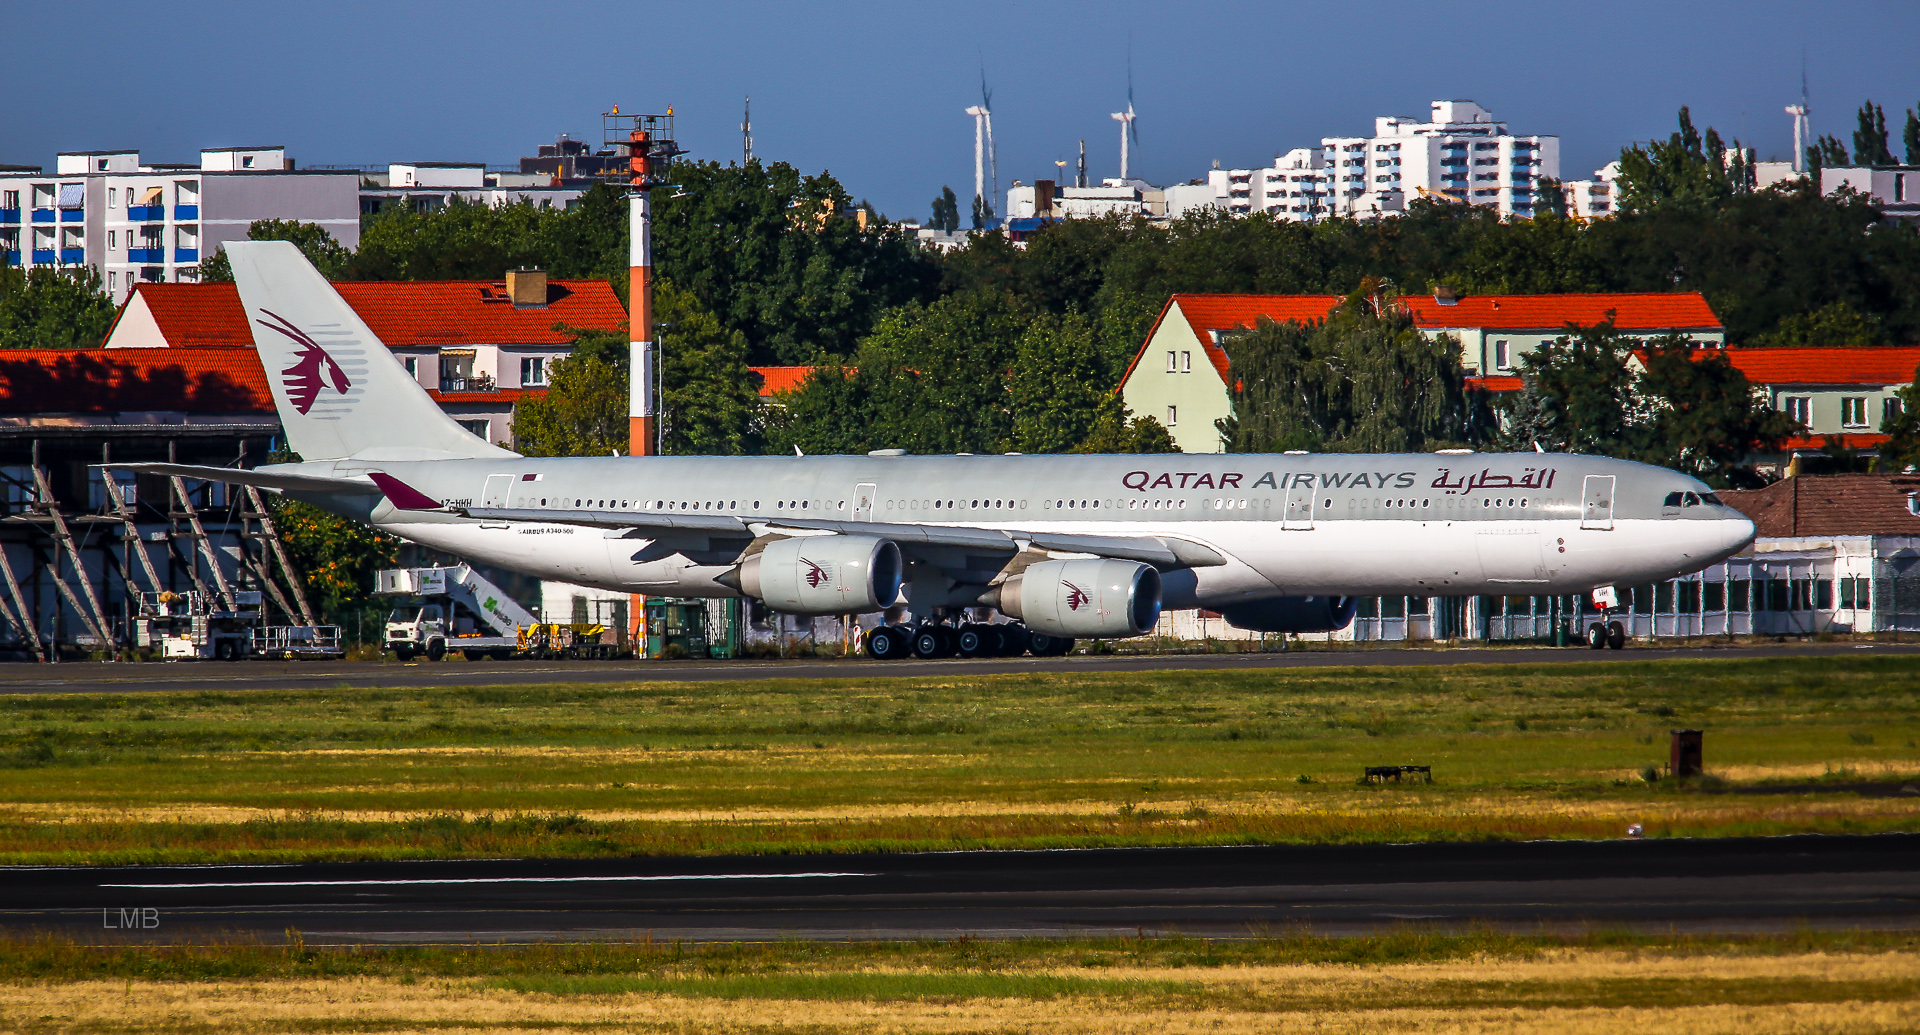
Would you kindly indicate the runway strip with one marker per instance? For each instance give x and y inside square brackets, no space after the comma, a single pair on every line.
[93,678]
[1709,885]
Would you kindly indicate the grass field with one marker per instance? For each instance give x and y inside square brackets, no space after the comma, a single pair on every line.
[1397,982]
[947,759]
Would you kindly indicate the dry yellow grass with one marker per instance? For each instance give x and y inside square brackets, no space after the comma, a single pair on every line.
[1589,991]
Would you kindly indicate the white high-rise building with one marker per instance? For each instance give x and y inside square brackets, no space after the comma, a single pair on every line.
[1460,155]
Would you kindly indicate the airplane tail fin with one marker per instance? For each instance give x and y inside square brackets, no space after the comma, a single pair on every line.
[340,392]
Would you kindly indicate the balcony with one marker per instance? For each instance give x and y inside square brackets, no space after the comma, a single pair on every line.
[45,257]
[73,215]
[9,215]
[146,255]
[186,213]
[146,213]
[73,256]
[186,255]
[43,215]
[476,383]
[13,258]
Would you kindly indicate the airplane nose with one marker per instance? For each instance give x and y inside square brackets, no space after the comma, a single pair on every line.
[1740,533]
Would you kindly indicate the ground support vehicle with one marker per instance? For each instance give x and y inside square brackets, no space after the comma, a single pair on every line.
[189,625]
[451,608]
[317,642]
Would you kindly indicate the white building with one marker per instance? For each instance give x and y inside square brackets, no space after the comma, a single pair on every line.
[1597,198]
[430,186]
[1461,155]
[1047,199]
[151,223]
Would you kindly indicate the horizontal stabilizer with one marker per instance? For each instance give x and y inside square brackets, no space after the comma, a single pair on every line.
[265,478]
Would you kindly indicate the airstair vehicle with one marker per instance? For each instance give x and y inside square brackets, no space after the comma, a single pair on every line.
[456,608]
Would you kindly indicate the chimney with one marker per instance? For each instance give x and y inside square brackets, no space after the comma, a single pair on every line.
[527,288]
[1043,197]
[1445,295]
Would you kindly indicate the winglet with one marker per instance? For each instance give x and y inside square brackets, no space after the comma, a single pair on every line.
[402,495]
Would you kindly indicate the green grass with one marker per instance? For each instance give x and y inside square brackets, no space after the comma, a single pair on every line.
[947,759]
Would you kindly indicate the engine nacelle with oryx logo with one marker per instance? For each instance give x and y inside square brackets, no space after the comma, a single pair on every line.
[825,575]
[1084,598]
[1292,614]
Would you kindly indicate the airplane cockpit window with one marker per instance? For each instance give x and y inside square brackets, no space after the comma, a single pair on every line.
[1690,500]
[1672,500]
[1708,497]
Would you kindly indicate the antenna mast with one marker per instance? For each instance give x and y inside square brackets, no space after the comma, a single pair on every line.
[746,133]
[647,142]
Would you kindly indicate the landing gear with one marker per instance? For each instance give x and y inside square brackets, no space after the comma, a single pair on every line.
[1045,646]
[1596,636]
[886,642]
[1611,636]
[1616,636]
[934,641]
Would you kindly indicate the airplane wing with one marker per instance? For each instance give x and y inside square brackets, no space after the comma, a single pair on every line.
[1164,553]
[263,479]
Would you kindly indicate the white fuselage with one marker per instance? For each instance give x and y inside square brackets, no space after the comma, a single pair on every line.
[1286,525]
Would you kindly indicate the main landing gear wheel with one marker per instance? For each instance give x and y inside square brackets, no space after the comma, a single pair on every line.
[1044,646]
[933,641]
[971,642]
[1596,636]
[884,642]
[1616,636]
[1013,640]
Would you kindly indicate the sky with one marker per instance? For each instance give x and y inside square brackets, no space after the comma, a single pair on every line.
[876,92]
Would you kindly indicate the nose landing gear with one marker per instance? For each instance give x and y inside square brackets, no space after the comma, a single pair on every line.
[1611,636]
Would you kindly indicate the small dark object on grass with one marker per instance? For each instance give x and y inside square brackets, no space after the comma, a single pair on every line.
[1398,773]
[1303,778]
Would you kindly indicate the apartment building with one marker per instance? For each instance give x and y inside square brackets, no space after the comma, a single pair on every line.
[136,222]
[431,186]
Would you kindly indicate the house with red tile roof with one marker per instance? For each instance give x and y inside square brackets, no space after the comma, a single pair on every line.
[1841,394]
[470,343]
[1179,376]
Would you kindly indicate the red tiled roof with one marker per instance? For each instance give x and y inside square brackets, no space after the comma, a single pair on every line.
[1861,365]
[207,380]
[415,313]
[508,396]
[1845,440]
[1645,311]
[1496,383]
[1831,504]
[774,380]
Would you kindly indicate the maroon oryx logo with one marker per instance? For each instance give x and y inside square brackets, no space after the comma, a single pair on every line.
[1076,597]
[311,370]
[816,576]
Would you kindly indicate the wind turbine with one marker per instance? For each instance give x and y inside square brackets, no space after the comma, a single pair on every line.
[983,154]
[1125,119]
[1802,129]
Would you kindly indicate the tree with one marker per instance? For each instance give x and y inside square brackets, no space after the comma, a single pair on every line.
[1870,139]
[709,400]
[328,256]
[982,212]
[1685,169]
[770,254]
[1911,136]
[1827,152]
[946,211]
[1365,380]
[584,410]
[1553,199]
[335,556]
[1901,451]
[1684,407]
[1835,324]
[1702,415]
[1059,386]
[1118,431]
[53,308]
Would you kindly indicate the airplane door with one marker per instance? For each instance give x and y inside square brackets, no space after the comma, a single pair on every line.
[495,495]
[863,495]
[1596,502]
[1299,514]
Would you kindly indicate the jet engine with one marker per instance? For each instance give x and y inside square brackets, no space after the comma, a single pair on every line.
[1292,614]
[1083,598]
[825,575]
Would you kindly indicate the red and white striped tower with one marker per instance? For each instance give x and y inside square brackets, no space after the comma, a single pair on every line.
[650,147]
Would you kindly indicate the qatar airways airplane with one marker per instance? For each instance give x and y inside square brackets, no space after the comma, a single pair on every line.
[1064,546]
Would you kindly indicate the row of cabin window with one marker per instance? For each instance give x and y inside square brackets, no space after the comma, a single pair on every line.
[1060,504]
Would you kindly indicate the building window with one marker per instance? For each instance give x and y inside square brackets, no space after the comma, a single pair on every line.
[1173,416]
[113,199]
[1798,407]
[113,281]
[1186,362]
[413,367]
[1889,409]
[1853,412]
[1172,363]
[1502,359]
[476,428]
[113,237]
[533,370]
